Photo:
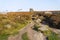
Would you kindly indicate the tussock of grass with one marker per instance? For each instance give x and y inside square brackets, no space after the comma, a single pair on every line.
[25,37]
[51,35]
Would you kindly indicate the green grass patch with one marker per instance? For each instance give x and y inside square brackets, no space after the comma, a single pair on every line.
[12,31]
[51,35]
[25,36]
[4,36]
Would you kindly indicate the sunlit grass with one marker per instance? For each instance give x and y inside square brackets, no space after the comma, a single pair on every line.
[14,30]
[11,31]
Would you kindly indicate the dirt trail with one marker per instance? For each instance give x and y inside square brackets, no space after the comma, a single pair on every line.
[32,34]
[22,31]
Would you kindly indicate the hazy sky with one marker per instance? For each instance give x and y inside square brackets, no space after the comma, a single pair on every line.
[14,5]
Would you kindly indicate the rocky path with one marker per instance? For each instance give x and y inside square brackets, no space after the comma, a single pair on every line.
[32,34]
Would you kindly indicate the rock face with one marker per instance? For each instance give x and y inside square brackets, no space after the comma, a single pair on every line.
[39,36]
[52,18]
[43,27]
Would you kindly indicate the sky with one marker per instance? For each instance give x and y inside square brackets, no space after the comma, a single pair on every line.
[24,5]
